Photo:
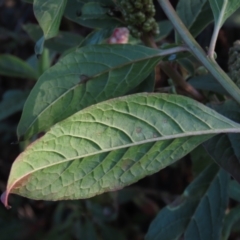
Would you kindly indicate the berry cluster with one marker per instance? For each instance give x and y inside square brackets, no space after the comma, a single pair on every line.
[139,14]
[234,63]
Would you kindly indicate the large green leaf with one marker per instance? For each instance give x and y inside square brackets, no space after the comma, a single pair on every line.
[198,213]
[84,77]
[49,14]
[222,9]
[196,15]
[112,144]
[15,67]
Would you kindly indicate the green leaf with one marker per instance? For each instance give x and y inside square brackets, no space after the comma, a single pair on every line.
[165,28]
[234,190]
[112,144]
[12,102]
[198,213]
[84,77]
[97,37]
[39,46]
[74,10]
[196,15]
[93,10]
[15,67]
[232,217]
[221,150]
[61,43]
[225,149]
[207,82]
[222,9]
[200,160]
[49,14]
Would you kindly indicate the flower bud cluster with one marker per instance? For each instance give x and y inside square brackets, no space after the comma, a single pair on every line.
[234,63]
[139,15]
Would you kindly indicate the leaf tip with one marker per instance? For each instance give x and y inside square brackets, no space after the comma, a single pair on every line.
[4,200]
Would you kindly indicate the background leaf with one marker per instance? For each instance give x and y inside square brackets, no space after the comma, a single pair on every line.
[15,67]
[221,150]
[196,15]
[234,190]
[198,213]
[230,7]
[61,43]
[49,14]
[207,82]
[111,145]
[74,11]
[200,160]
[86,76]
[225,148]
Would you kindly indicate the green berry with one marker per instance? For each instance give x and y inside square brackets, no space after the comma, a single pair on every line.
[140,17]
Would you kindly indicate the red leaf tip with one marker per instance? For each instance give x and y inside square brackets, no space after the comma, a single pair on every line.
[4,200]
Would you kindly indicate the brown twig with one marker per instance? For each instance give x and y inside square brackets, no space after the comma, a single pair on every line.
[172,73]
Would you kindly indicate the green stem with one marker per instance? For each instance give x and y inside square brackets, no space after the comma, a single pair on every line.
[209,63]
[174,50]
[216,30]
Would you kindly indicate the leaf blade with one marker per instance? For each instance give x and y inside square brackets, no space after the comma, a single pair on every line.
[15,67]
[105,72]
[122,140]
[227,6]
[181,215]
[49,14]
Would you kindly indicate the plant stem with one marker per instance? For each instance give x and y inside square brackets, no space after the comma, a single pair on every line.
[174,50]
[170,71]
[210,64]
[217,27]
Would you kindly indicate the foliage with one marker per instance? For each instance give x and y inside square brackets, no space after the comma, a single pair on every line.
[97,116]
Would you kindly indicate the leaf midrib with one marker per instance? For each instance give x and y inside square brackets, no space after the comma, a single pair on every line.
[197,133]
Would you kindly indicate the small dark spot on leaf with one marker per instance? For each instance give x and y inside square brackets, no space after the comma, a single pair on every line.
[126,164]
[155,135]
[138,130]
[84,79]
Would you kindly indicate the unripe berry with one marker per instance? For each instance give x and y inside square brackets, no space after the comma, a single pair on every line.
[140,17]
